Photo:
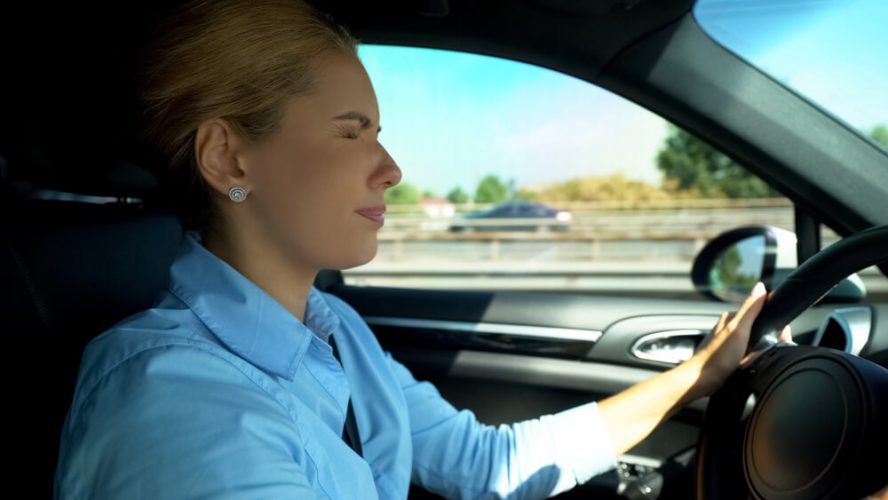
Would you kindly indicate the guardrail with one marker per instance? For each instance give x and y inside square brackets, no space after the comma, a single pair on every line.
[638,248]
[688,215]
[655,279]
[624,205]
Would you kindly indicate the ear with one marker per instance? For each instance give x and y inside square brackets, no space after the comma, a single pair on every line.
[218,151]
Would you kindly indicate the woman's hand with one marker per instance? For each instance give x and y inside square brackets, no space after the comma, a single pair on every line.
[720,353]
[632,414]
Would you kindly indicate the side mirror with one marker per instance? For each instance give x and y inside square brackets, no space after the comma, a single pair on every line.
[728,266]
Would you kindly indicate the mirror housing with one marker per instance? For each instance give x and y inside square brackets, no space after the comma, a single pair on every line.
[729,265]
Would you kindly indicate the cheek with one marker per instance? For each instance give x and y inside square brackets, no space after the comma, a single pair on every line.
[315,191]
[308,204]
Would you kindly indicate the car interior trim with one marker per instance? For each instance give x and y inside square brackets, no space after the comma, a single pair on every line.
[540,332]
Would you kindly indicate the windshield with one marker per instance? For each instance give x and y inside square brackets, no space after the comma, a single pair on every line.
[832,52]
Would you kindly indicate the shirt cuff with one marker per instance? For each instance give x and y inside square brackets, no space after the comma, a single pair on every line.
[582,441]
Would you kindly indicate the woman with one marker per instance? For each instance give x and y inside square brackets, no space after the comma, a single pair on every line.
[229,386]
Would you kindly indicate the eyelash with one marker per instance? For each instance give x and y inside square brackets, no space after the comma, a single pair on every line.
[349,134]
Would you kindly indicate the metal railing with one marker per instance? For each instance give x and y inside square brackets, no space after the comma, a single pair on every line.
[607,247]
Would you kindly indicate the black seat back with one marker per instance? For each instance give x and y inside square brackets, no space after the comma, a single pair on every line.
[68,271]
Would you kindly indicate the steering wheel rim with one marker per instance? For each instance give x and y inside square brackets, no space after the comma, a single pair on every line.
[742,447]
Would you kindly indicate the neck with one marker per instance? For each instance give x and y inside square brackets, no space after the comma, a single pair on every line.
[268,267]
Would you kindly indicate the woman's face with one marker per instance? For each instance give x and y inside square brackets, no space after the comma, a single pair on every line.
[309,181]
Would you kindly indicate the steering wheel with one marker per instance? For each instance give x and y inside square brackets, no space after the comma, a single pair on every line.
[800,422]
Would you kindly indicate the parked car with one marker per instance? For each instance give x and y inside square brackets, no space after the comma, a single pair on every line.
[514,216]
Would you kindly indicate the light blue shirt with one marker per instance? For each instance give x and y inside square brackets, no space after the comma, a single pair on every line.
[218,391]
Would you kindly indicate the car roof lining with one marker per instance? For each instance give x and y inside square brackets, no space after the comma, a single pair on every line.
[577,37]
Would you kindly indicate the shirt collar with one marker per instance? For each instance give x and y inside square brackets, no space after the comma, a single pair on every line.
[248,320]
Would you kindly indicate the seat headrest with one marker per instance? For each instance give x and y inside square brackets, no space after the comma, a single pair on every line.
[69,263]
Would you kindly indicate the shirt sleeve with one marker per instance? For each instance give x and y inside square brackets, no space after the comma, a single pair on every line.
[180,422]
[457,456]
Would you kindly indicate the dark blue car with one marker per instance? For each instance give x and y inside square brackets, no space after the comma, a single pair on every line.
[515,216]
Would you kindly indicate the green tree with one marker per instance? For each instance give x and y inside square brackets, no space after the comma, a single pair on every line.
[402,193]
[458,196]
[726,274]
[879,133]
[491,189]
[428,193]
[690,164]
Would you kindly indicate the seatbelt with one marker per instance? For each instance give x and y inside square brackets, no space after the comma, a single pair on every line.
[350,431]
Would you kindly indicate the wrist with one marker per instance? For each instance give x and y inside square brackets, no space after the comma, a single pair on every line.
[692,377]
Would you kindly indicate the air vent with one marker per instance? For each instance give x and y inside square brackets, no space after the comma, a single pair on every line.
[846,329]
[834,335]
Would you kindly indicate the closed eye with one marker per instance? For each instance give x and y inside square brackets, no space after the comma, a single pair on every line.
[355,134]
[361,118]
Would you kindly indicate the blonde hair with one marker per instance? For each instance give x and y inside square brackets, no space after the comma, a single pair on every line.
[239,60]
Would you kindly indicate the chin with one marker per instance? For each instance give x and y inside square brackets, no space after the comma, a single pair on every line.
[362,254]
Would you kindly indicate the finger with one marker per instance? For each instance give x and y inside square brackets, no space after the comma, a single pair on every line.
[752,305]
[719,325]
[786,334]
[722,321]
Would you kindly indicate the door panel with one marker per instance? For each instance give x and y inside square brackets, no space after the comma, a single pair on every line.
[510,356]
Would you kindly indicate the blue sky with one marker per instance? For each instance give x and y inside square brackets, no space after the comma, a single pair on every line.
[450,118]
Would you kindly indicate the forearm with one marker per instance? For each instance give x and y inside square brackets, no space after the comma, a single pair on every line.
[632,414]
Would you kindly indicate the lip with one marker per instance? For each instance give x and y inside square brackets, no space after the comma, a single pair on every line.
[375,214]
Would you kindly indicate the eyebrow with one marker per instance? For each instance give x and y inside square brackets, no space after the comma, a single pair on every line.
[358,116]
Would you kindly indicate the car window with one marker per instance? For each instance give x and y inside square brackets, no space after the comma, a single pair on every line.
[608,197]
[833,52]
[508,210]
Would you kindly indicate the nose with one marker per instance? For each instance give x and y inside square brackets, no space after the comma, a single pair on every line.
[387,174]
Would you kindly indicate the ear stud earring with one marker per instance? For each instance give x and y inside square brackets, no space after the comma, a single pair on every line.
[237,194]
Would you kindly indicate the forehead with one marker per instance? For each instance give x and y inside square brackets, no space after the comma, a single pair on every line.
[343,85]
